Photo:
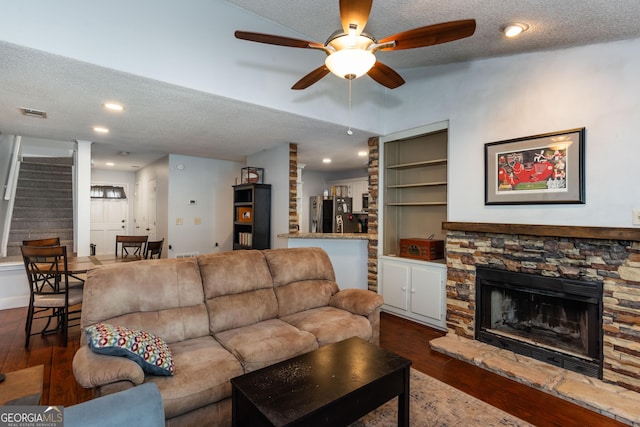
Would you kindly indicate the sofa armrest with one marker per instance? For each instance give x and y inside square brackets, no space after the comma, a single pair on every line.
[357,301]
[139,406]
[95,370]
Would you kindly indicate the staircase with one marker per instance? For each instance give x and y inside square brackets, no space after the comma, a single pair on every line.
[44,202]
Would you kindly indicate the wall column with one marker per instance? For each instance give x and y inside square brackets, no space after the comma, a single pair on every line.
[372,220]
[82,198]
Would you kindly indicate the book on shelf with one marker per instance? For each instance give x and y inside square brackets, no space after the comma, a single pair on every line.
[245,239]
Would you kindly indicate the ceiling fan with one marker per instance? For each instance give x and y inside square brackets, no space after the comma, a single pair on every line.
[350,51]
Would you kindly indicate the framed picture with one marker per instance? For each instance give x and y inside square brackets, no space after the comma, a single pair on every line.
[243,215]
[546,168]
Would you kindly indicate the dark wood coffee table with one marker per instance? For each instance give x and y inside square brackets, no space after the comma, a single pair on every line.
[332,386]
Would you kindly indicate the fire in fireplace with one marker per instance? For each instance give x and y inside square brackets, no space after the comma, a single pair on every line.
[555,320]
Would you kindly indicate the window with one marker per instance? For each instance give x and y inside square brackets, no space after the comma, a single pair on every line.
[107,192]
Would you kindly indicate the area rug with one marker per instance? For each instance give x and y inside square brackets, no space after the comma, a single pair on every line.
[434,403]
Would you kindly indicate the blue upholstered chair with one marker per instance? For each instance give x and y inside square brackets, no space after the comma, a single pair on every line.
[139,406]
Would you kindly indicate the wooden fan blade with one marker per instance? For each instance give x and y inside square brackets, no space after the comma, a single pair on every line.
[385,75]
[354,12]
[311,78]
[277,40]
[431,34]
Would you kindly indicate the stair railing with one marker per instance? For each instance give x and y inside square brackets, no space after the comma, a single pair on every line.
[10,193]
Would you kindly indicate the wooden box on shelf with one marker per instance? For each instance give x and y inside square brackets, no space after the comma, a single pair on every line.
[425,249]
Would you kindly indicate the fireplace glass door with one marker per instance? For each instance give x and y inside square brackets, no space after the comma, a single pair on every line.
[551,319]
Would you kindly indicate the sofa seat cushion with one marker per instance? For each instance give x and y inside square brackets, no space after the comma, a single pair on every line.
[265,343]
[330,324]
[203,371]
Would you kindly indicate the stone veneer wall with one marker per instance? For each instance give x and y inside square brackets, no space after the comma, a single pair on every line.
[294,221]
[372,218]
[616,263]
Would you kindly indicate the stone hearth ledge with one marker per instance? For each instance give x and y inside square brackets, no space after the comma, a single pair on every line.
[610,400]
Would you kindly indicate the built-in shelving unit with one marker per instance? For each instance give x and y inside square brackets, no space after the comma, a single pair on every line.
[415,188]
[414,205]
[252,216]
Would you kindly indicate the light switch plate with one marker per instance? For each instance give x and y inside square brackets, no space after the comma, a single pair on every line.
[179,221]
[636,217]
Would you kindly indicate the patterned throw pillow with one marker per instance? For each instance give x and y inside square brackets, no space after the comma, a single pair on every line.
[150,352]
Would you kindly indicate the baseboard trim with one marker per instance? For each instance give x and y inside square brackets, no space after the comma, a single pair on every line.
[14,302]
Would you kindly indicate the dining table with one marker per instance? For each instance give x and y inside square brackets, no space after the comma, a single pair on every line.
[81,265]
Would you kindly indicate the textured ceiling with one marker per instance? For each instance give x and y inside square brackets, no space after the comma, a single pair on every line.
[70,90]
[552,24]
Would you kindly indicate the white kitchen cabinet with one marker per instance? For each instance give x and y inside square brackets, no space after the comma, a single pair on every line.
[358,188]
[414,289]
[355,189]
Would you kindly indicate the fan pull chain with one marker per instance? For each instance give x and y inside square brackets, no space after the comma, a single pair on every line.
[349,131]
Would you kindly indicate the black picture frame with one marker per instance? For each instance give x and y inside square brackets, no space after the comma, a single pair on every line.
[539,169]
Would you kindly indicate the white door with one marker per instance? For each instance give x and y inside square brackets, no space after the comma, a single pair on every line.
[151,210]
[108,218]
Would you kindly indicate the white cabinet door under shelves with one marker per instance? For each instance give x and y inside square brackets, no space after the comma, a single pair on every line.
[395,278]
[414,289]
[426,291]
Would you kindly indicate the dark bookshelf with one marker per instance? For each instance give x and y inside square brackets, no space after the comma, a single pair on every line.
[252,216]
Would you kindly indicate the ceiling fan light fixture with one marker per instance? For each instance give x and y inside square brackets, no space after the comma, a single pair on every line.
[514,30]
[350,63]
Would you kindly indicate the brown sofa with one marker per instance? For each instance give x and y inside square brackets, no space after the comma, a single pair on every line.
[222,315]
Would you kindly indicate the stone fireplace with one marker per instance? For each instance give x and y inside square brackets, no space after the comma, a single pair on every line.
[605,260]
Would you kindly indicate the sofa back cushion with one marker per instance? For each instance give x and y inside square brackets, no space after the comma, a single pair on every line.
[238,289]
[163,297]
[303,278]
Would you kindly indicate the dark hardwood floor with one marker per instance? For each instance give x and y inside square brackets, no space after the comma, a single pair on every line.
[406,338]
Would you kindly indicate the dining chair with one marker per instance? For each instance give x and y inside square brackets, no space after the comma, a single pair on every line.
[154,249]
[75,280]
[49,241]
[131,246]
[50,296]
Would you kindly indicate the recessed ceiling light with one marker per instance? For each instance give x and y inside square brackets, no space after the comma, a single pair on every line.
[513,30]
[100,129]
[363,153]
[113,106]
[326,160]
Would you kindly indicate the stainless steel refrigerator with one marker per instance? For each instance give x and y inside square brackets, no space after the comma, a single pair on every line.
[331,215]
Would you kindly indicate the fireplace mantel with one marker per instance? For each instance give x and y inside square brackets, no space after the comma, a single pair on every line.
[579,232]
